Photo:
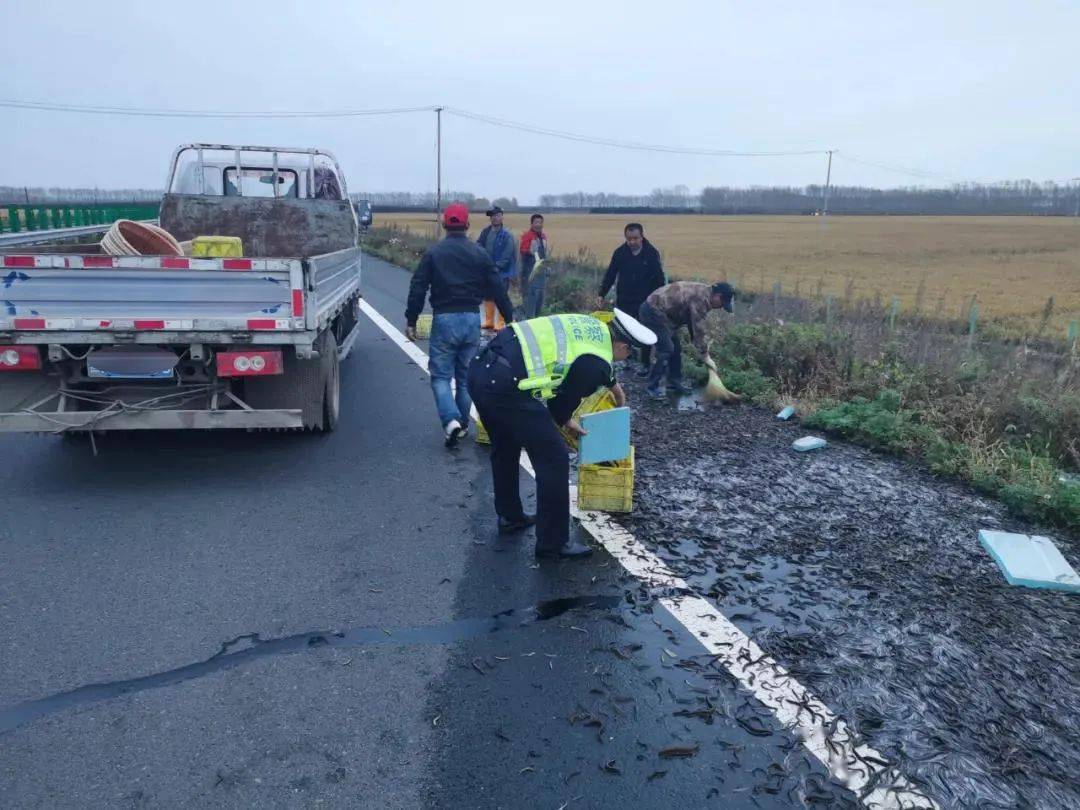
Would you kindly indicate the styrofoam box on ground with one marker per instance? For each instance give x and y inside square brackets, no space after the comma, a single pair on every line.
[1034,562]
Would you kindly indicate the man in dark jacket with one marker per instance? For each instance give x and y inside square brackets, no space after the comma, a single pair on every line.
[460,275]
[635,271]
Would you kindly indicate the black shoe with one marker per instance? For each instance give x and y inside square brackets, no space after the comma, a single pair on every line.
[680,388]
[522,523]
[572,550]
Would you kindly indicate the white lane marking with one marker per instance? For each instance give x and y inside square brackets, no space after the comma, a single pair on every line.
[825,735]
[858,766]
[407,346]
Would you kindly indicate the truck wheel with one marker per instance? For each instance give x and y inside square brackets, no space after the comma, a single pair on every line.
[345,322]
[332,388]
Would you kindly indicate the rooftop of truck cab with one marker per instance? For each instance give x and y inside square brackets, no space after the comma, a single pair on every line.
[218,159]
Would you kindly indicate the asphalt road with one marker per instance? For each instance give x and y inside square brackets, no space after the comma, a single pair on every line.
[274,620]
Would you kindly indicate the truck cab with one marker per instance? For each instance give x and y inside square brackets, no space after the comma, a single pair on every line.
[280,202]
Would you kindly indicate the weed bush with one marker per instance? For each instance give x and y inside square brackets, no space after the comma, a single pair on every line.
[1027,482]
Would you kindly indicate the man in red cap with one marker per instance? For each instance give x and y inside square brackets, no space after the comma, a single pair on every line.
[460,274]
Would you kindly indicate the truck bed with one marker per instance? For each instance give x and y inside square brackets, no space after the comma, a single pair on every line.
[90,298]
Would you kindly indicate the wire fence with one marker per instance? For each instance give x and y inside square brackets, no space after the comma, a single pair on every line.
[1048,327]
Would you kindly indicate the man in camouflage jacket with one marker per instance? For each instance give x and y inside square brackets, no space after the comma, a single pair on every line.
[682,303]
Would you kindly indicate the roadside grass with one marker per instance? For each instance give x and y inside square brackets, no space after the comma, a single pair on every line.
[400,246]
[999,411]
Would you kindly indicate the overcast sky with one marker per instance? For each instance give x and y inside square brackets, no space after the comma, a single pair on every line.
[967,90]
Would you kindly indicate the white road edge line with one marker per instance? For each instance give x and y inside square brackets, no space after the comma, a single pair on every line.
[858,766]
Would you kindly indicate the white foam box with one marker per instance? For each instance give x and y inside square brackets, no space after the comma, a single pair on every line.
[1030,561]
[807,443]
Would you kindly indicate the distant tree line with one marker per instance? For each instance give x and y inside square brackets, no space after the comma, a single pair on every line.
[425,201]
[675,198]
[1012,197]
[35,195]
[421,201]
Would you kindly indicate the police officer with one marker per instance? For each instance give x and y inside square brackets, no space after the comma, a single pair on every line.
[530,379]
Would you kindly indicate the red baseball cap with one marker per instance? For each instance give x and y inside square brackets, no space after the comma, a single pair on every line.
[456,215]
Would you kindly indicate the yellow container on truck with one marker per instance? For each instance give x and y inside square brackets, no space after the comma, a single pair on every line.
[217,247]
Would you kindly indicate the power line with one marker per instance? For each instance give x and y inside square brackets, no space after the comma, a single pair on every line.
[643,147]
[889,167]
[91,109]
[97,109]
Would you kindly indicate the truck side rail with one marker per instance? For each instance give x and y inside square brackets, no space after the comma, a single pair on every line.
[101,296]
[333,280]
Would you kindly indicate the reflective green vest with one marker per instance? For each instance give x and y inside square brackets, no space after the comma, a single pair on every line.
[549,346]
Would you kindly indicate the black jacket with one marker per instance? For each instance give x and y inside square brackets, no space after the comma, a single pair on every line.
[461,276]
[634,277]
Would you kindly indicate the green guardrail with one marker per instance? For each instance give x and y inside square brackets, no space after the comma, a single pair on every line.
[19,218]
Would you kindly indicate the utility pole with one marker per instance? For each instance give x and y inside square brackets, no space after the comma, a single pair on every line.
[438,166]
[825,191]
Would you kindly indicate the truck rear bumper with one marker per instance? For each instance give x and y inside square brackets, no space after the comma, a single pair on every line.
[32,421]
[38,403]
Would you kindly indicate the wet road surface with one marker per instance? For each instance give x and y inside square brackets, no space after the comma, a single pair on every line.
[285,621]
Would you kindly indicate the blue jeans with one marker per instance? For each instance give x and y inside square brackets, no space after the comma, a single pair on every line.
[668,350]
[455,337]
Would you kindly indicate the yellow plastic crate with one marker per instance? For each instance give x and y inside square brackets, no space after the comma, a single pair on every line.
[423,326]
[481,433]
[604,488]
[602,400]
[217,247]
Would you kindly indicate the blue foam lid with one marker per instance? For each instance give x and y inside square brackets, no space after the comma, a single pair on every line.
[1033,562]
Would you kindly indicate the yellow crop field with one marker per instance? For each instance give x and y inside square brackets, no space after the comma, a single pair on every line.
[1011,265]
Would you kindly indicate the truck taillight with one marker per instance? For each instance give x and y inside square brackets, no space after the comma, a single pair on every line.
[248,364]
[20,358]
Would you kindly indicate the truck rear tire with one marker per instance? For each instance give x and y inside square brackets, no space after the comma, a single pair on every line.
[332,388]
[303,385]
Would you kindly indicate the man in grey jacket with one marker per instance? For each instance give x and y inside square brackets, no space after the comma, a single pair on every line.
[500,245]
